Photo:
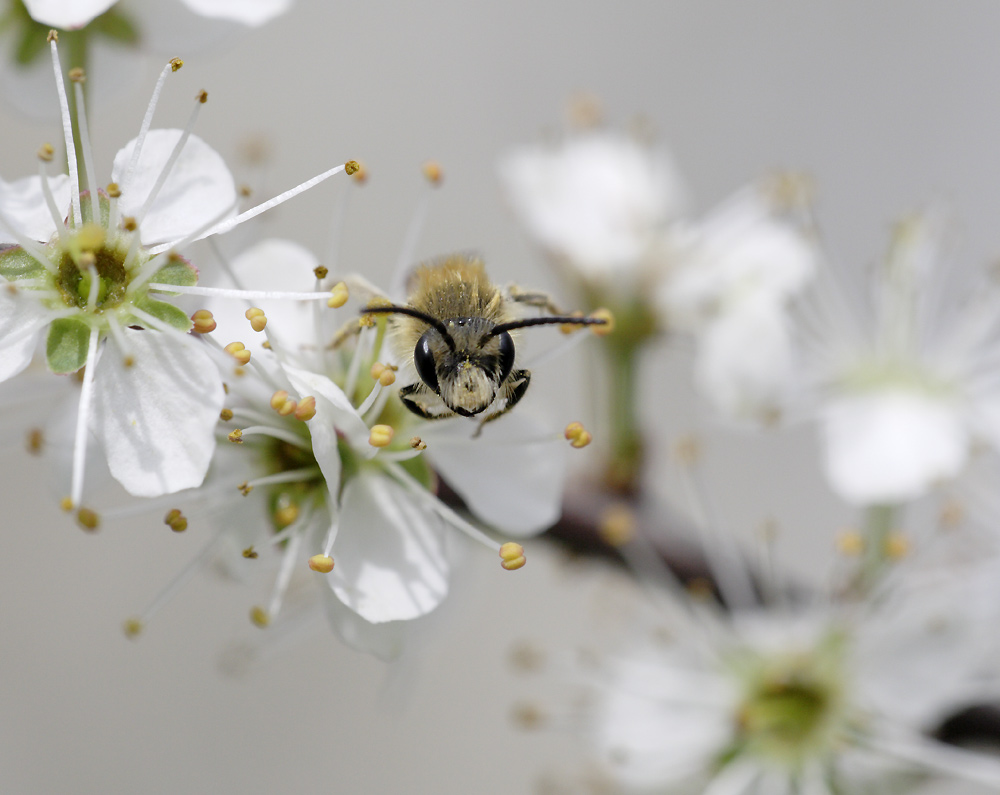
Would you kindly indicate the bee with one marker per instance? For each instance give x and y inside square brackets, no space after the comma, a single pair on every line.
[456,329]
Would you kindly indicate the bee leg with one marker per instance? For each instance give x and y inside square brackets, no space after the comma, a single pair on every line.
[533,298]
[517,385]
[423,402]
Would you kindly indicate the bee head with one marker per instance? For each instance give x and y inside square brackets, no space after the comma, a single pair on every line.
[464,363]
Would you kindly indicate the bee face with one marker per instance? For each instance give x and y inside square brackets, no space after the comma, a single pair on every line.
[467,374]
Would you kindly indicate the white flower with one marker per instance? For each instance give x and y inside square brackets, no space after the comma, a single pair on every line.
[904,387]
[72,14]
[92,286]
[597,200]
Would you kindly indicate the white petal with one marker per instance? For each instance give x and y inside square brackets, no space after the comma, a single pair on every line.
[744,361]
[22,320]
[891,445]
[23,204]
[391,563]
[385,640]
[508,477]
[66,14]
[334,410]
[248,12]
[198,189]
[156,419]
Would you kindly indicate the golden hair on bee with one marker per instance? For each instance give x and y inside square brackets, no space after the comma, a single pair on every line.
[456,332]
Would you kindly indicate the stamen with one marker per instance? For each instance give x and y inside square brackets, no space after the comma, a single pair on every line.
[285,572]
[850,543]
[238,351]
[577,435]
[257,318]
[82,415]
[276,433]
[88,519]
[78,78]
[372,396]
[225,226]
[291,476]
[331,536]
[74,175]
[605,328]
[306,409]
[114,327]
[617,524]
[385,374]
[172,159]
[95,287]
[45,154]
[433,174]
[362,351]
[338,295]
[417,443]
[321,563]
[204,322]
[512,555]
[155,322]
[228,292]
[176,520]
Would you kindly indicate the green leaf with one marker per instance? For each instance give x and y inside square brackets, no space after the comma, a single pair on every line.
[168,313]
[177,271]
[66,346]
[16,263]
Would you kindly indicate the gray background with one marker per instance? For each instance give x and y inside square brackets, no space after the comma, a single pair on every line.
[889,106]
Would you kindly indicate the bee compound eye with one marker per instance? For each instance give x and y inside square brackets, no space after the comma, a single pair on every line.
[423,360]
[506,356]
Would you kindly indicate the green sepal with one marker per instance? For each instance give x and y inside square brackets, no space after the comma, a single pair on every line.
[104,207]
[66,346]
[116,26]
[16,263]
[168,313]
[177,271]
[31,42]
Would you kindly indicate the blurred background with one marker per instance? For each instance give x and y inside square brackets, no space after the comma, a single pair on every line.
[889,108]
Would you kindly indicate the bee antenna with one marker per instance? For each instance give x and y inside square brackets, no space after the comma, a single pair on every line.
[433,322]
[543,321]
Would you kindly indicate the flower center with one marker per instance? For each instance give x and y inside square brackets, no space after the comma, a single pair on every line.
[86,252]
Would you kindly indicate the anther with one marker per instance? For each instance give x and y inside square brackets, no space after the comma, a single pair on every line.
[133,627]
[250,553]
[236,437]
[129,223]
[617,525]
[66,504]
[850,543]
[259,616]
[351,167]
[528,717]
[204,322]
[321,272]
[897,546]
[175,64]
[338,296]
[87,519]
[380,436]
[285,515]
[306,409]
[175,520]
[128,361]
[113,191]
[46,152]
[417,443]
[53,36]
[77,75]
[569,328]
[385,374]
[512,555]
[432,172]
[577,435]
[35,441]
[246,191]
[245,488]
[605,328]
[257,318]
[226,415]
[238,351]
[321,563]
[202,96]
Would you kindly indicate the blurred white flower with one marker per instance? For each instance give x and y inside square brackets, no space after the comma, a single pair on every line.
[72,14]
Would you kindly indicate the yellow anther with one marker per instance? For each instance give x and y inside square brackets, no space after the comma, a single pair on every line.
[238,351]
[260,617]
[239,372]
[266,345]
[250,553]
[306,409]
[569,328]
[380,436]
[245,488]
[288,407]
[128,361]
[278,399]
[113,191]
[226,415]
[66,504]
[87,519]
[35,441]
[53,36]
[257,318]
[246,191]
[512,555]
[321,563]
[417,443]
[605,328]
[850,543]
[129,224]
[528,717]
[202,96]
[236,437]
[204,322]
[385,374]
[617,525]
[897,546]
[338,296]
[175,64]
[285,515]
[133,627]
[46,152]
[351,167]
[175,520]
[577,435]
[90,237]
[321,272]
[77,75]
[432,172]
